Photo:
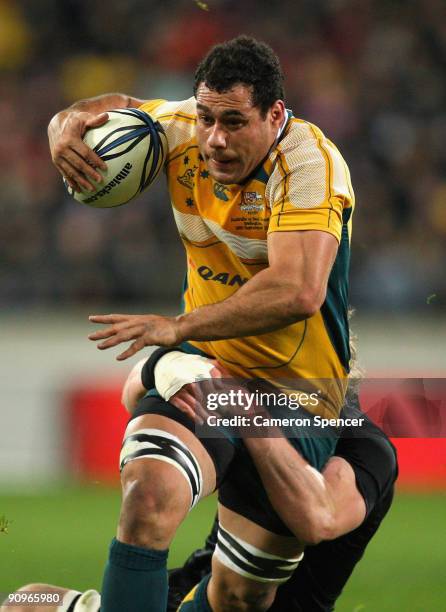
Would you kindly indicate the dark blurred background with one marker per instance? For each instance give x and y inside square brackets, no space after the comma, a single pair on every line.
[369,73]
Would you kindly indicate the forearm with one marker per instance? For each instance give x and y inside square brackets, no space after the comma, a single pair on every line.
[95,106]
[297,492]
[265,303]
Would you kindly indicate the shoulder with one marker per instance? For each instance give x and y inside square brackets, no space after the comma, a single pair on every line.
[308,168]
[165,110]
[178,119]
[303,143]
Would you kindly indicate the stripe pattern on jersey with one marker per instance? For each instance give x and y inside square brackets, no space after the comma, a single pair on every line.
[198,229]
[251,562]
[161,445]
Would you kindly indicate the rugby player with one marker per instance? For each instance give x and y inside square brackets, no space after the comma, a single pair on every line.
[263,203]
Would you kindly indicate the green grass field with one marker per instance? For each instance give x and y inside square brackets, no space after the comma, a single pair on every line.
[62,536]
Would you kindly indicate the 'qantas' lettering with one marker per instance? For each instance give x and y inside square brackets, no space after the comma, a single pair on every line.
[221,277]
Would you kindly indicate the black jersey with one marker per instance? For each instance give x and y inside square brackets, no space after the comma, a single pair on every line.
[326,567]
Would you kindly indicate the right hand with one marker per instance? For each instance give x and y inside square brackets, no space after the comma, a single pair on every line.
[76,162]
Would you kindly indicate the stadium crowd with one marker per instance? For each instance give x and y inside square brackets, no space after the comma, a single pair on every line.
[369,73]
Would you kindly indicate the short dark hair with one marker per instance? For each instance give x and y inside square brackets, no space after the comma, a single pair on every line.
[247,61]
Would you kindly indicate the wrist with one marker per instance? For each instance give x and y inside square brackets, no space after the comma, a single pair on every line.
[182,326]
[56,122]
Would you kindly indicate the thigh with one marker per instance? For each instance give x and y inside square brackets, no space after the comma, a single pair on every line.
[165,471]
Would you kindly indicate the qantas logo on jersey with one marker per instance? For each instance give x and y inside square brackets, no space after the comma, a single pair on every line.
[221,277]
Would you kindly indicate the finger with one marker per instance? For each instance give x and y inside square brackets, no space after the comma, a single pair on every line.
[220,384]
[108,318]
[84,151]
[181,405]
[97,120]
[221,369]
[78,159]
[195,398]
[80,156]
[65,171]
[72,184]
[136,346]
[191,389]
[133,333]
[91,158]
[69,171]
[201,411]
[216,373]
[117,328]
[189,398]
[211,385]
[102,334]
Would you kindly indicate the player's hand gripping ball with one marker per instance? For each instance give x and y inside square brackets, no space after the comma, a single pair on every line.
[134,148]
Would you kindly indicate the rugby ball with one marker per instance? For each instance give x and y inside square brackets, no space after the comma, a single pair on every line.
[134,147]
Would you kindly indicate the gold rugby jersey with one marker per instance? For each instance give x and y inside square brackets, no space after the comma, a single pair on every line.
[303,184]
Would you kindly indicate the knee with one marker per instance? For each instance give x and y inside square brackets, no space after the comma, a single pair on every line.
[155,501]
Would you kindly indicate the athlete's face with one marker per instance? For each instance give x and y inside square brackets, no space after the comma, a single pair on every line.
[233,136]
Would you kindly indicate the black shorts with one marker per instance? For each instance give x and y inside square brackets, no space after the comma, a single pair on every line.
[240,488]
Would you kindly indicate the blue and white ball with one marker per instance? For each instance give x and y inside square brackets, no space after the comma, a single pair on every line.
[134,146]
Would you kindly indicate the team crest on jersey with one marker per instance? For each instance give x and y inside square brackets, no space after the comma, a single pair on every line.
[220,192]
[187,179]
[251,200]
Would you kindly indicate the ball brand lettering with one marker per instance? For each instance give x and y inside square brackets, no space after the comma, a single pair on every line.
[118,178]
[221,277]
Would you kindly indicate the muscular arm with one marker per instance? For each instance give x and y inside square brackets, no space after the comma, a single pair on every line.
[315,507]
[291,289]
[71,156]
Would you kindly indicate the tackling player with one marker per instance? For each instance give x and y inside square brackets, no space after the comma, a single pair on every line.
[263,203]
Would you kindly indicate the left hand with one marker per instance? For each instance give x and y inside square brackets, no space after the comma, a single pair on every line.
[145,330]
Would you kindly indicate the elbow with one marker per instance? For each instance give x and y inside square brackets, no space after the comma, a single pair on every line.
[303,304]
[318,529]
